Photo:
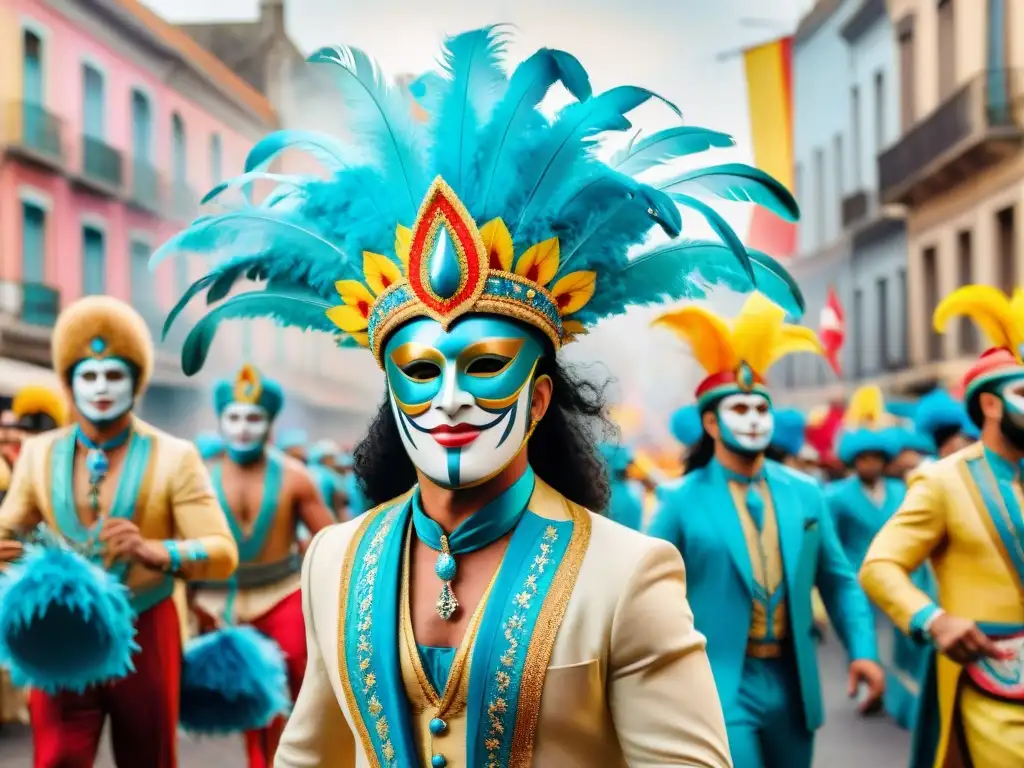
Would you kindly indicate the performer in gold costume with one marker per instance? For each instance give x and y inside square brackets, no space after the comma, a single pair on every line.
[146,498]
[964,514]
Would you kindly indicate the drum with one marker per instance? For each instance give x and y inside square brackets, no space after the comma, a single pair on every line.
[66,624]
[1001,678]
[233,680]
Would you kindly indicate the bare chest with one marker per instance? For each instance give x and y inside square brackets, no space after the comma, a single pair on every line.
[473,577]
[246,493]
[92,504]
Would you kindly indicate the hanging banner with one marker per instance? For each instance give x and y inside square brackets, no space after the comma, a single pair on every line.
[769,75]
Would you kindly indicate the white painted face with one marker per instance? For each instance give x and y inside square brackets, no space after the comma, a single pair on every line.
[746,422]
[244,426]
[103,390]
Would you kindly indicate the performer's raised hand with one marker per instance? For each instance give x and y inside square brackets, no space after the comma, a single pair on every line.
[872,675]
[962,641]
[10,550]
[124,541]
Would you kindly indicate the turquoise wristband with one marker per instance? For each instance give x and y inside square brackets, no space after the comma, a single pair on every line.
[195,552]
[175,554]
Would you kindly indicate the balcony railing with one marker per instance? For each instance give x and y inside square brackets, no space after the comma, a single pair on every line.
[976,126]
[855,208]
[101,164]
[145,189]
[184,201]
[34,131]
[40,304]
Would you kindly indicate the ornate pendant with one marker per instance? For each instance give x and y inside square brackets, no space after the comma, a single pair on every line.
[446,603]
[97,465]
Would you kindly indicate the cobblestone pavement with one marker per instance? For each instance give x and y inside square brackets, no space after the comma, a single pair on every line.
[847,740]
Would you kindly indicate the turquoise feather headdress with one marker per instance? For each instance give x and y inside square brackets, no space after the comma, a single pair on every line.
[483,206]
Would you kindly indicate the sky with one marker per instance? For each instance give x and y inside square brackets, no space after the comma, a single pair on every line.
[674,47]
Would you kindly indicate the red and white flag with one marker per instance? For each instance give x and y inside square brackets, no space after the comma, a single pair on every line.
[832,330]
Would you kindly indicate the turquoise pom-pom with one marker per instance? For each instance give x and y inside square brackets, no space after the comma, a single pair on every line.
[232,680]
[65,623]
[445,567]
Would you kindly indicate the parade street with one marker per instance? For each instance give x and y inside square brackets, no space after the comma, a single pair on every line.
[847,741]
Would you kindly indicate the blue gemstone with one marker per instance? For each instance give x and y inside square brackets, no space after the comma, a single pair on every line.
[445,567]
[438,726]
[97,345]
[438,761]
[445,272]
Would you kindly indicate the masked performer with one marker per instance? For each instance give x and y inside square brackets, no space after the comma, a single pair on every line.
[146,496]
[757,538]
[964,513]
[266,496]
[945,422]
[625,503]
[325,466]
[529,630]
[860,505]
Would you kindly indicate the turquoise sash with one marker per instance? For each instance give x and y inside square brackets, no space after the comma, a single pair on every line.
[250,547]
[372,674]
[1004,511]
[126,496]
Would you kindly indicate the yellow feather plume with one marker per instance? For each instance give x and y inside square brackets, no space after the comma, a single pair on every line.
[867,409]
[37,399]
[999,316]
[759,336]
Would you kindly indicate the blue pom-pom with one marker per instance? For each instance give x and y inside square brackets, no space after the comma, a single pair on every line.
[65,623]
[232,680]
[686,425]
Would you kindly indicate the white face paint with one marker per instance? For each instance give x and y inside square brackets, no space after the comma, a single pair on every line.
[746,422]
[103,390]
[244,426]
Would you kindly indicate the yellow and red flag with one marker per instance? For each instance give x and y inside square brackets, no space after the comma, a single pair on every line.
[769,74]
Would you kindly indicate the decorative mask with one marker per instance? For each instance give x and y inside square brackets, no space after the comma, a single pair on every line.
[746,423]
[462,397]
[245,427]
[1012,423]
[103,389]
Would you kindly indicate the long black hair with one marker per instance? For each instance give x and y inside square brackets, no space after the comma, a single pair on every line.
[562,450]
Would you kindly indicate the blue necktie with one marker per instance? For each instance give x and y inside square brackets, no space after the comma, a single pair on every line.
[755,505]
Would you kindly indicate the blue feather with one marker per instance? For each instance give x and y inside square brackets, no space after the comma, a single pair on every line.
[774,281]
[330,152]
[246,180]
[527,87]
[471,62]
[667,145]
[232,680]
[296,310]
[567,142]
[65,623]
[736,181]
[720,225]
[381,118]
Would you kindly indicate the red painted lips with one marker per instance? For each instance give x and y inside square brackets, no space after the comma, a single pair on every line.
[457,436]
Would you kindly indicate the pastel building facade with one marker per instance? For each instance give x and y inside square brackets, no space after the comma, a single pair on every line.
[113,124]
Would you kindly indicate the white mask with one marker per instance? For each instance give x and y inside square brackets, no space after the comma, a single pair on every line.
[244,426]
[103,390]
[746,422]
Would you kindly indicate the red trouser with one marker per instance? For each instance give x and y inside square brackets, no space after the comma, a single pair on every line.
[143,707]
[284,625]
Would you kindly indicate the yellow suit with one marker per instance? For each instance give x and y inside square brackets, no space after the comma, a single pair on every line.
[943,517]
[626,681]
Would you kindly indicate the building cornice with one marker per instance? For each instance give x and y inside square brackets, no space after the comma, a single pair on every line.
[815,19]
[863,19]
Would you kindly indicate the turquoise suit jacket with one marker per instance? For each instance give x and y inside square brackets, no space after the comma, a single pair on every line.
[698,516]
[857,518]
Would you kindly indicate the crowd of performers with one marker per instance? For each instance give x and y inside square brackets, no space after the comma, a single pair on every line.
[480,583]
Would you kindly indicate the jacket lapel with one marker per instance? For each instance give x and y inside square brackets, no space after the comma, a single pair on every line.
[789,519]
[726,517]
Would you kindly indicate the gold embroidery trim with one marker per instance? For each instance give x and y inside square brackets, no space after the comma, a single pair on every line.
[343,595]
[538,654]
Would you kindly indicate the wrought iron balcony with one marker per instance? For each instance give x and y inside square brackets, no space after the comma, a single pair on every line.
[102,166]
[855,208]
[184,201]
[145,187]
[34,133]
[40,304]
[977,126]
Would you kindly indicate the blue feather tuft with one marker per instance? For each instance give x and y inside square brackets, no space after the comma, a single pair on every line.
[328,151]
[232,680]
[639,156]
[244,184]
[720,225]
[686,426]
[65,623]
[738,182]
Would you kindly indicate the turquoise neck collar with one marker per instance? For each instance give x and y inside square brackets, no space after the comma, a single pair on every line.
[1003,469]
[247,456]
[736,477]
